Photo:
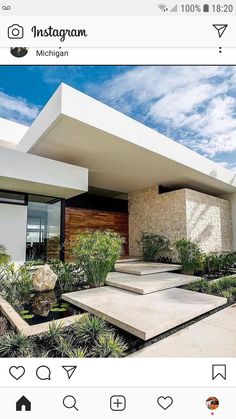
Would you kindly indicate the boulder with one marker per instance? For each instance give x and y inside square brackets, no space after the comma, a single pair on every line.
[44,279]
[42,303]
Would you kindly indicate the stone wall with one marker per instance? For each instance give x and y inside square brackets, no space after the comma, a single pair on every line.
[150,212]
[209,221]
[180,214]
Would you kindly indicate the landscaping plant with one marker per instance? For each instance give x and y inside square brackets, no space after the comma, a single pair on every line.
[16,283]
[96,253]
[152,245]
[95,338]
[69,276]
[108,346]
[224,287]
[190,256]
[15,344]
[4,257]
[89,329]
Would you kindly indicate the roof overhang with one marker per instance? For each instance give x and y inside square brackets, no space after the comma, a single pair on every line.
[120,153]
[23,172]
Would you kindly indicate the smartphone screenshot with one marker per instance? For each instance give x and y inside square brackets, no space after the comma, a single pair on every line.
[117,209]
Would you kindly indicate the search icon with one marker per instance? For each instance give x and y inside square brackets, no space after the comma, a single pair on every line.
[70,402]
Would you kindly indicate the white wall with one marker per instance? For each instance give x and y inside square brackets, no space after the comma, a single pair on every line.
[13,221]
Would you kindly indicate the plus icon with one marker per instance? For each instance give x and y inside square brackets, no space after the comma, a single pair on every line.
[118,403]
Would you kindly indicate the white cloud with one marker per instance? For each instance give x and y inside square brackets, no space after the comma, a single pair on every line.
[17,109]
[194,105]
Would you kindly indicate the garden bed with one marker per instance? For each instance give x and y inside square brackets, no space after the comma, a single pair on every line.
[20,325]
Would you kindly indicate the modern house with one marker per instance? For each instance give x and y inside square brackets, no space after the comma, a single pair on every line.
[82,164]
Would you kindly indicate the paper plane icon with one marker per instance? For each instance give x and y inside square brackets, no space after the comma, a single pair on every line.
[70,369]
[220,29]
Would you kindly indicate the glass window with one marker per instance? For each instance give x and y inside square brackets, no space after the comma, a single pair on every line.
[12,198]
[43,228]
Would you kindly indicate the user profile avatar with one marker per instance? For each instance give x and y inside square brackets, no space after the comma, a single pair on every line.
[212,403]
[19,52]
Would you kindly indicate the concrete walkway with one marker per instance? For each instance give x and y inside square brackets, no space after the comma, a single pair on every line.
[215,336]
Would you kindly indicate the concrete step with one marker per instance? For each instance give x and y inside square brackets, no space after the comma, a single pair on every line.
[145,268]
[129,259]
[144,316]
[148,283]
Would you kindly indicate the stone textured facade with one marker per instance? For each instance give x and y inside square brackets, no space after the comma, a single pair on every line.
[209,221]
[180,214]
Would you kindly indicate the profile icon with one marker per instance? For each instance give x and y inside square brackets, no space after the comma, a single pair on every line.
[212,403]
[19,52]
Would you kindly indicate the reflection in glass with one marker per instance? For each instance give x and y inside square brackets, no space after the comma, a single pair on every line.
[43,228]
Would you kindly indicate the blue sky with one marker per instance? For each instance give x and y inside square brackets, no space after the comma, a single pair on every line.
[195,106]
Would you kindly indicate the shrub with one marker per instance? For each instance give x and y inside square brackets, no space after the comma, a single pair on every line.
[216,263]
[15,345]
[16,283]
[202,285]
[223,284]
[190,256]
[108,346]
[69,276]
[4,257]
[96,253]
[76,353]
[89,329]
[152,245]
[225,287]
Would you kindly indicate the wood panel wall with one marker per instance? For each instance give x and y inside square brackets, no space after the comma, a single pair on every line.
[78,219]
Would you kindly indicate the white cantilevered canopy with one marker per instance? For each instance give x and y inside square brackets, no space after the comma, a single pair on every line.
[24,172]
[120,153]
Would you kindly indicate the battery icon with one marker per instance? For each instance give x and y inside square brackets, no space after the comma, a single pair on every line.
[206,8]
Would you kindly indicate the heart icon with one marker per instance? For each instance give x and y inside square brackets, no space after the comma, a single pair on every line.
[165,402]
[17,372]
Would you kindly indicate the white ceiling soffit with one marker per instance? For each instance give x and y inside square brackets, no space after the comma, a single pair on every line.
[120,153]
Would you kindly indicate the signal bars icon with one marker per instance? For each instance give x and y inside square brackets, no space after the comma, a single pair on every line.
[175,9]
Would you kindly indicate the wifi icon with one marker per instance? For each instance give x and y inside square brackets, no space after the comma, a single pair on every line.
[163,7]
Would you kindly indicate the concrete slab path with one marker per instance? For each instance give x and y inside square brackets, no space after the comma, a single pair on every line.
[147,315]
[145,268]
[215,336]
[148,283]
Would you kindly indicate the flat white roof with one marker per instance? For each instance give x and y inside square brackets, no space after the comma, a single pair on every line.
[11,133]
[120,153]
[24,172]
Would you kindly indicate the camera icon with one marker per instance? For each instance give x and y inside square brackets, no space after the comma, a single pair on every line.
[15,32]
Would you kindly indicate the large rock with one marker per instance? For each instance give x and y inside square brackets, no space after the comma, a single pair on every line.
[43,303]
[44,279]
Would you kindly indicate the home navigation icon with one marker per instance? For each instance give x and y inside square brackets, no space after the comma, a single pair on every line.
[23,404]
